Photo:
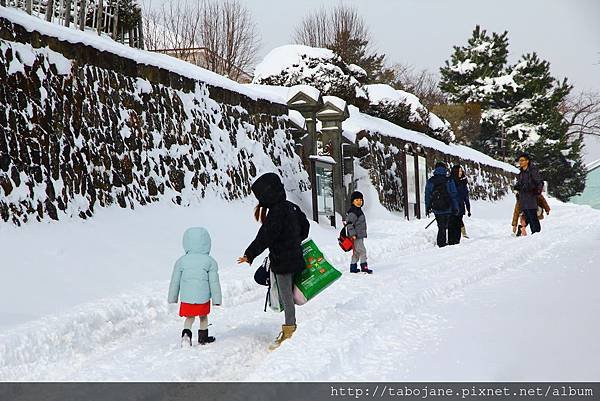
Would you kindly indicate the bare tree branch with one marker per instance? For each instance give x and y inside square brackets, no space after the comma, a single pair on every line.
[315,29]
[422,83]
[229,34]
[217,35]
[582,113]
[322,28]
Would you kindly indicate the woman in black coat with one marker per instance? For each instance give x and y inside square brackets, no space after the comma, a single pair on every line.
[284,227]
[464,205]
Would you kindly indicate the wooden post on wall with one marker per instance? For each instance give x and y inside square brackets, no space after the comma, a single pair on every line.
[67,13]
[82,12]
[49,10]
[115,21]
[140,30]
[99,16]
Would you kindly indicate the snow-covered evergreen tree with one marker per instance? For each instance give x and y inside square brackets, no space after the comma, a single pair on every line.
[532,120]
[466,77]
[520,108]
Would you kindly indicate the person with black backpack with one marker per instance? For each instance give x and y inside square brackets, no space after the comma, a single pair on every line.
[441,198]
[284,227]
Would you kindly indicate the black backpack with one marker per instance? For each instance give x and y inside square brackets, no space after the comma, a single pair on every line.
[440,198]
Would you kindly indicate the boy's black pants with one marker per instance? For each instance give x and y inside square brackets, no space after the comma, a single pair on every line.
[442,223]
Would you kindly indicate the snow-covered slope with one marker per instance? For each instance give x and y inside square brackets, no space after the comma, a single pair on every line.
[86,300]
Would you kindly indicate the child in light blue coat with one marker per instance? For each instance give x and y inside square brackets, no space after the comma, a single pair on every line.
[195,281]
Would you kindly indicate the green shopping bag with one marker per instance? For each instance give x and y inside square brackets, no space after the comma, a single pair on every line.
[318,275]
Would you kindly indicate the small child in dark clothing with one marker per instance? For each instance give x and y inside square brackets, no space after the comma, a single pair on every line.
[356,227]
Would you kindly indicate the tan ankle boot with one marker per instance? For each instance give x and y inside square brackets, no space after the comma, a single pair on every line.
[286,332]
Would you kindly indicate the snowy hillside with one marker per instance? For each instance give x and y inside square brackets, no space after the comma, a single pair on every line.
[86,300]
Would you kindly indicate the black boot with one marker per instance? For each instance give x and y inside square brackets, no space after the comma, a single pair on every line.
[203,337]
[186,337]
[353,268]
[365,269]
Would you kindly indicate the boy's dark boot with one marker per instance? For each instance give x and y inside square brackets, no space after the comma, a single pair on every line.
[186,337]
[354,268]
[365,269]
[203,337]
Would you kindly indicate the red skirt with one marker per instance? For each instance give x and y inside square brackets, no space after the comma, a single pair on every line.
[190,310]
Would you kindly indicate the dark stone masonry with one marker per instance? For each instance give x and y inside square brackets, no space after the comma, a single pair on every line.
[112,131]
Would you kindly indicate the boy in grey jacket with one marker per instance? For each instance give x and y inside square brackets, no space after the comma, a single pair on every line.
[356,228]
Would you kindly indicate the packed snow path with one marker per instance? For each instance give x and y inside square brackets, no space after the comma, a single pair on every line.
[491,308]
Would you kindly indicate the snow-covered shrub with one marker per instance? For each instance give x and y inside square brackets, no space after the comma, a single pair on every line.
[292,65]
[405,109]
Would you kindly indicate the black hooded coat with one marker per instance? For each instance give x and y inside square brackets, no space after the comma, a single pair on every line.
[284,229]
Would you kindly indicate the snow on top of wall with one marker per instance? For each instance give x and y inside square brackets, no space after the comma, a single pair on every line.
[103,43]
[359,121]
[281,57]
[279,94]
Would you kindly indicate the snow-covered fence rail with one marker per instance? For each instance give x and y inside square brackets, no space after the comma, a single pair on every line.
[115,18]
[82,128]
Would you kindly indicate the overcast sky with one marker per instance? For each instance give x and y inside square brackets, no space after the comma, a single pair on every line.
[422,32]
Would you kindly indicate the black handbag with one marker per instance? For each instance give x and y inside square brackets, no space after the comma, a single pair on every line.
[261,275]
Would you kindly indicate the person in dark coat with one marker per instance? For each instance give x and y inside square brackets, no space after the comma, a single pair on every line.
[284,227]
[356,227]
[457,174]
[530,186]
[441,199]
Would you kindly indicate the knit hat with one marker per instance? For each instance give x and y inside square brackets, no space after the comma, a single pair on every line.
[440,164]
[356,195]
